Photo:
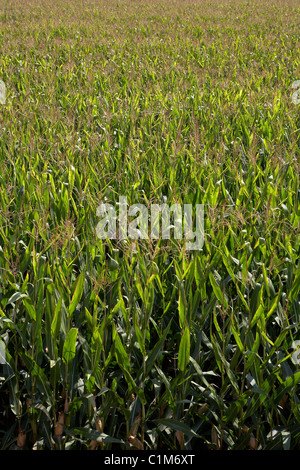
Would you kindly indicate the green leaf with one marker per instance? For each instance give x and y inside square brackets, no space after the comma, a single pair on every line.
[260,310]
[17,296]
[55,325]
[177,426]
[92,435]
[156,349]
[30,308]
[77,293]
[121,355]
[184,350]
[286,386]
[70,346]
[217,291]
[219,354]
[36,371]
[182,305]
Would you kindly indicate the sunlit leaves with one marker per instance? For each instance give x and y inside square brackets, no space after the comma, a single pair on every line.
[195,105]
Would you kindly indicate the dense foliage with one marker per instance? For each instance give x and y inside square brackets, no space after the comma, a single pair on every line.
[111,344]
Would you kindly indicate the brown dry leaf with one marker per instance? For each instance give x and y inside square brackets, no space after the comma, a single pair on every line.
[132,398]
[59,427]
[253,443]
[93,445]
[215,438]
[283,400]
[203,409]
[162,410]
[135,442]
[28,402]
[21,440]
[134,427]
[66,407]
[99,425]
[180,438]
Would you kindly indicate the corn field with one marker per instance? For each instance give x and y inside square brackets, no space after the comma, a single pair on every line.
[115,344]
